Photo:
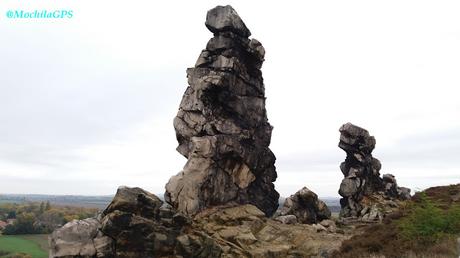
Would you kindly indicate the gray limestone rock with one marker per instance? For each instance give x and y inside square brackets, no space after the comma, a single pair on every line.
[222,126]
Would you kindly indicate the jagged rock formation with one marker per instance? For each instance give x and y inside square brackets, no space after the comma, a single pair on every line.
[305,206]
[222,126]
[365,194]
[135,224]
[138,225]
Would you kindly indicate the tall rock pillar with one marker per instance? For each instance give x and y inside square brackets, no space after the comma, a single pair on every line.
[365,194]
[222,126]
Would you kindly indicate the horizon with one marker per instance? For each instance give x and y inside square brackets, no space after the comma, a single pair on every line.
[88,104]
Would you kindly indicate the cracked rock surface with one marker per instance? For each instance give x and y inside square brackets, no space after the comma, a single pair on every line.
[135,224]
[365,194]
[222,126]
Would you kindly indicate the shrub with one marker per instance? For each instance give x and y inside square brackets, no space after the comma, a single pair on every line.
[3,253]
[428,223]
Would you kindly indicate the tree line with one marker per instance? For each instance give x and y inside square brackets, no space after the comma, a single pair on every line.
[40,218]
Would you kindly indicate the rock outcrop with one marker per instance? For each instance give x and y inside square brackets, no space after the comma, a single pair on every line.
[135,224]
[80,238]
[244,231]
[305,206]
[365,194]
[222,126]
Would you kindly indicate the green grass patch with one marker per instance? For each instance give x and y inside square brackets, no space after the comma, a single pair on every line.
[22,244]
[428,223]
[40,239]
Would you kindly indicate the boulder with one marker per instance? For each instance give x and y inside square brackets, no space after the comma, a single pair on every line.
[222,126]
[80,238]
[365,194]
[287,219]
[135,224]
[225,18]
[134,214]
[319,227]
[306,207]
[329,225]
[458,245]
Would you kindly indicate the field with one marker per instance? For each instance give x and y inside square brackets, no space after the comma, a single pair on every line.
[34,245]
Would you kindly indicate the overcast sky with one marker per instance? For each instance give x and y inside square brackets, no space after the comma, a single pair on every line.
[87,104]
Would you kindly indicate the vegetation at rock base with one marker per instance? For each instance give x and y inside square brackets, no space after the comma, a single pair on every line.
[428,225]
[39,218]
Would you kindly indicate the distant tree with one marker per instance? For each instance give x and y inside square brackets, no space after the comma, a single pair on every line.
[11,215]
[9,230]
[68,218]
[48,206]
[40,217]
[42,207]
[52,219]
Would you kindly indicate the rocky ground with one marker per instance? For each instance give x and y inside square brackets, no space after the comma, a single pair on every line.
[138,224]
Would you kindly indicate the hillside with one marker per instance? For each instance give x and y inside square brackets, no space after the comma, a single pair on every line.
[427,226]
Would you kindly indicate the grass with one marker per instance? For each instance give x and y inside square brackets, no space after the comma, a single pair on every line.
[28,244]
[426,223]
[41,240]
[427,226]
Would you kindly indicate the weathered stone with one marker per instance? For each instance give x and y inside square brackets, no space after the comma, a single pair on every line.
[349,187]
[371,214]
[329,225]
[131,226]
[362,188]
[222,126]
[403,193]
[104,246]
[197,244]
[306,207]
[136,201]
[244,231]
[74,239]
[225,18]
[319,227]
[458,245]
[287,219]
